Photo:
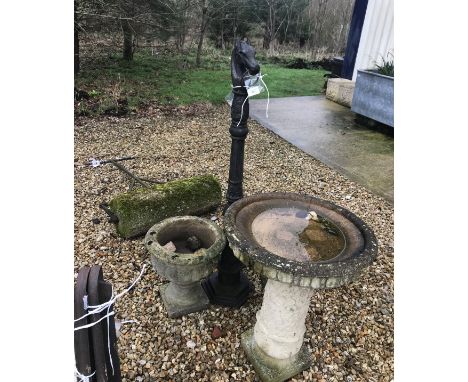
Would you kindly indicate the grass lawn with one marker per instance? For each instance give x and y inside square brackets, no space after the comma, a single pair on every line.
[164,80]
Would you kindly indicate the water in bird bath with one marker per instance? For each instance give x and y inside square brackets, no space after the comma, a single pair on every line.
[297,234]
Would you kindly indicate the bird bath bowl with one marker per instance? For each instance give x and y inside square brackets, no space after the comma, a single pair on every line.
[300,243]
[184,267]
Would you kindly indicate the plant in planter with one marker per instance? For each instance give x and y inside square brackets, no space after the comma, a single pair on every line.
[386,67]
[373,93]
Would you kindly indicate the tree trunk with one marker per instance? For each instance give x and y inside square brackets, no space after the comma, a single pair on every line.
[266,39]
[77,43]
[77,51]
[223,46]
[309,23]
[317,33]
[271,27]
[128,40]
[202,32]
[182,36]
[288,20]
[234,27]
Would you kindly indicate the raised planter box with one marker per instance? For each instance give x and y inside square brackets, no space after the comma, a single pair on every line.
[373,96]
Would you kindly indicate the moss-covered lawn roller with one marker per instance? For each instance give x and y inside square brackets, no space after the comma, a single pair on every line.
[138,210]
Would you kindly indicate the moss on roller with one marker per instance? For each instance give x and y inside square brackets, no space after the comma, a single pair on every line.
[141,208]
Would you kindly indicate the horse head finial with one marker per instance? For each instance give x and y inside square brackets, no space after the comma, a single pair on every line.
[242,61]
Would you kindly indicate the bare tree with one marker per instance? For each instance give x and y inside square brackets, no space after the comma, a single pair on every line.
[76,38]
[203,25]
[319,19]
[128,39]
[316,25]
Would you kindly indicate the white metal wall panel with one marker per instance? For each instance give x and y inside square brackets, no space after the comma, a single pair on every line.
[376,36]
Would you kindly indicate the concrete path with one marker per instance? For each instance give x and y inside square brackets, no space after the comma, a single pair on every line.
[327,131]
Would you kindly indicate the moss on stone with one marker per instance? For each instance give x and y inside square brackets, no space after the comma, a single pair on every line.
[141,208]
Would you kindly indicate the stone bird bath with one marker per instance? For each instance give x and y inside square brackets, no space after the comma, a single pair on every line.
[300,243]
[184,267]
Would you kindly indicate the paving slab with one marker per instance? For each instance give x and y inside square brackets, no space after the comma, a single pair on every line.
[328,132]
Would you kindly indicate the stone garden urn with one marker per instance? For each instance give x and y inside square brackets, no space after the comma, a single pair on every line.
[300,243]
[184,250]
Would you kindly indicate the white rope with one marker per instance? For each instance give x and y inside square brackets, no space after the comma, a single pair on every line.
[268,93]
[260,77]
[129,322]
[108,340]
[94,323]
[99,308]
[82,377]
[242,111]
[103,306]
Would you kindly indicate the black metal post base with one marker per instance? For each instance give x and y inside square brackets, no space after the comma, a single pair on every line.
[229,286]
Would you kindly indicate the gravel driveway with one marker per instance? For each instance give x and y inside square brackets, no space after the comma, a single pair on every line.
[349,329]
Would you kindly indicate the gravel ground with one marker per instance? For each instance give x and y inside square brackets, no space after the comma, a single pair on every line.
[349,329]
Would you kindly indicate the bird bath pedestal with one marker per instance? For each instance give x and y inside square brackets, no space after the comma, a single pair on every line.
[299,243]
[184,267]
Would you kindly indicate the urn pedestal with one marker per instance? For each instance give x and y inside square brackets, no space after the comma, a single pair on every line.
[184,267]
